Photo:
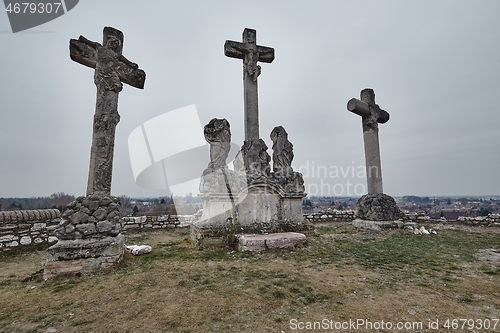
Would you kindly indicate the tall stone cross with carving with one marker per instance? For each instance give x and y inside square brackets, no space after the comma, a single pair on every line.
[251,53]
[371,115]
[111,69]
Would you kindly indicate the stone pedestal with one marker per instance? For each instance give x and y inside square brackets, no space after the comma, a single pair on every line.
[377,225]
[258,208]
[83,255]
[377,212]
[282,240]
[378,207]
[89,237]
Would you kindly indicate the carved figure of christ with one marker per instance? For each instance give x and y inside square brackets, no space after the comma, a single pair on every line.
[251,53]
[111,69]
[371,115]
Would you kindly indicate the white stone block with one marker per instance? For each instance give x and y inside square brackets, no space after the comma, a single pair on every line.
[38,226]
[138,249]
[25,240]
[8,238]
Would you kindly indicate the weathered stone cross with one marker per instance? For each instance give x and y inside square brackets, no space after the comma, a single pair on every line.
[250,52]
[371,115]
[111,69]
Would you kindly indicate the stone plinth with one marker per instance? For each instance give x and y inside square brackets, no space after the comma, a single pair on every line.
[259,243]
[266,208]
[89,236]
[93,216]
[377,225]
[260,208]
[378,207]
[83,255]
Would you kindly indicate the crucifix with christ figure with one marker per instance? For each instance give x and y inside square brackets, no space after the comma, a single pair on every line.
[251,53]
[111,69]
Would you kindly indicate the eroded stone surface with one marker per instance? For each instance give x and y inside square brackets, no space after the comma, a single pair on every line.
[371,115]
[259,243]
[378,207]
[218,134]
[282,150]
[250,53]
[252,196]
[93,216]
[377,225]
[137,250]
[83,255]
[111,69]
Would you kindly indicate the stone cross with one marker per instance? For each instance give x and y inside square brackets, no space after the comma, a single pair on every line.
[250,52]
[371,114]
[111,69]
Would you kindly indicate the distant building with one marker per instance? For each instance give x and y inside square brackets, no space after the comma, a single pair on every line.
[448,215]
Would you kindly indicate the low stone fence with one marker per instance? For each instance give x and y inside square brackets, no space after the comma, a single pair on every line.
[31,227]
[331,216]
[152,223]
[492,220]
[27,227]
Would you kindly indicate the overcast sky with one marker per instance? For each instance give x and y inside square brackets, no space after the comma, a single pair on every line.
[434,66]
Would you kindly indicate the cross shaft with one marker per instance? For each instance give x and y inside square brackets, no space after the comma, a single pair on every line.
[111,69]
[251,53]
[371,115]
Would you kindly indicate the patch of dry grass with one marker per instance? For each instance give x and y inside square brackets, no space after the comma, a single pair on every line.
[341,274]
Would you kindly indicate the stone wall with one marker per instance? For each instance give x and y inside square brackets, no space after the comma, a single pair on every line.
[492,220]
[153,223]
[27,227]
[30,227]
[330,215]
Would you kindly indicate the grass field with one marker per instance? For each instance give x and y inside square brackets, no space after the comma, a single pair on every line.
[341,274]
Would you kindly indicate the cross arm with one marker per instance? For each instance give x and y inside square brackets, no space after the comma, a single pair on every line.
[363,109]
[238,50]
[84,51]
[130,73]
[234,49]
[266,54]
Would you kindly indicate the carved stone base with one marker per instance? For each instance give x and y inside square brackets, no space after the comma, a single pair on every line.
[261,208]
[378,207]
[259,243]
[93,216]
[83,255]
[377,225]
